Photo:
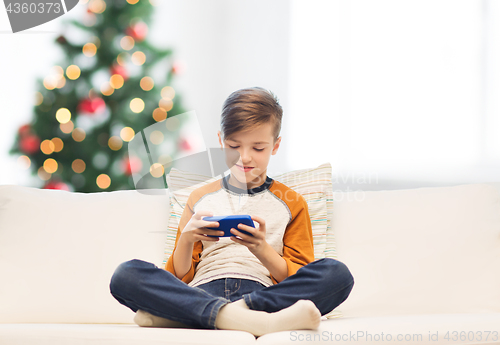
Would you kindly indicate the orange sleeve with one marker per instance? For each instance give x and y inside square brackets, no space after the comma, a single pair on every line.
[298,248]
[197,248]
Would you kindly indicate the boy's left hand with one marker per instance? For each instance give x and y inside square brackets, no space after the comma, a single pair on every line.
[255,243]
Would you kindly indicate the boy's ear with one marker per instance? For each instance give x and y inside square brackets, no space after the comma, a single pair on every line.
[276,146]
[220,141]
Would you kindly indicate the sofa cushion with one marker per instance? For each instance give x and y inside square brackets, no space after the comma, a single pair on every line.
[424,250]
[58,251]
[64,334]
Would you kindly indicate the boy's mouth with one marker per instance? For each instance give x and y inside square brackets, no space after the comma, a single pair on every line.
[245,169]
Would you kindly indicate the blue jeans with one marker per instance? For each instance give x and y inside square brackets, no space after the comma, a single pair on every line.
[142,285]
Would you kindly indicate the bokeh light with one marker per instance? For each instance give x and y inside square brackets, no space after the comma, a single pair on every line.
[47,146]
[63,115]
[50,165]
[73,72]
[103,181]
[67,127]
[147,83]
[115,143]
[24,162]
[156,137]
[78,134]
[42,174]
[116,81]
[159,114]
[166,104]
[138,58]
[156,170]
[127,43]
[127,133]
[137,105]
[78,166]
[89,49]
[168,92]
[58,144]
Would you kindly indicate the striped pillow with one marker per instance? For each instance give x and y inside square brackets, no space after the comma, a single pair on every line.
[315,185]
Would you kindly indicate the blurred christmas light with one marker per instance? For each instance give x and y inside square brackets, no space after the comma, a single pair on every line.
[156,170]
[42,174]
[97,6]
[50,165]
[47,146]
[107,89]
[61,82]
[122,58]
[58,144]
[67,127]
[168,92]
[78,166]
[132,2]
[156,137]
[166,104]
[127,134]
[103,181]
[138,58]
[147,83]
[172,124]
[159,114]
[115,143]
[137,105]
[63,115]
[116,81]
[127,43]
[38,98]
[24,162]
[78,134]
[73,72]
[89,49]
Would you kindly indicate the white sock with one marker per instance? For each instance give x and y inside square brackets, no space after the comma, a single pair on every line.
[145,319]
[238,316]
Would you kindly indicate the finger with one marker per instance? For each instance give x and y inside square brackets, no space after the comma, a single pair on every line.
[211,232]
[245,237]
[259,221]
[207,238]
[247,228]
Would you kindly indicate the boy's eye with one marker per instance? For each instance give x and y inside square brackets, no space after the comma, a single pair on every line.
[235,147]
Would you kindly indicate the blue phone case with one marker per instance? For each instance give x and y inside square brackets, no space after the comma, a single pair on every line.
[228,222]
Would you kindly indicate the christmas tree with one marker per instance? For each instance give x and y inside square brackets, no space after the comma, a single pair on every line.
[111,85]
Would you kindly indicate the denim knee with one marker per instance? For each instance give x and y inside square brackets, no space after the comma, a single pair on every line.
[125,277]
[336,272]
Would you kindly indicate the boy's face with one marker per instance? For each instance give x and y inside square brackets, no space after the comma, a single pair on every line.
[255,148]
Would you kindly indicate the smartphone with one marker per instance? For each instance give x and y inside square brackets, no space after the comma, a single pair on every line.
[228,222]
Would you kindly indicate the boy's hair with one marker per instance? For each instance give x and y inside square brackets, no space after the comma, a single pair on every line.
[246,109]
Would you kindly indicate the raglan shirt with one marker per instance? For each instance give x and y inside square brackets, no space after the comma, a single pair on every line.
[288,231]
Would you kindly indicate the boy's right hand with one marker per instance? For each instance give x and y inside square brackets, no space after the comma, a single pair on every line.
[196,229]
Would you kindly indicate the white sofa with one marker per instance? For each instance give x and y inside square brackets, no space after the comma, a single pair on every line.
[426,264]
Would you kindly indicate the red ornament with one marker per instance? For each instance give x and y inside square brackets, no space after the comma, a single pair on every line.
[92,105]
[119,69]
[177,67]
[138,31]
[29,144]
[131,165]
[184,144]
[24,130]
[56,185]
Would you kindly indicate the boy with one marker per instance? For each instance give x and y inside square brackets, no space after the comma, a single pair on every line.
[264,282]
